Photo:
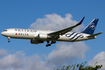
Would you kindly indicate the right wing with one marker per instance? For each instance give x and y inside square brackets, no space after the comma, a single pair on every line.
[63,31]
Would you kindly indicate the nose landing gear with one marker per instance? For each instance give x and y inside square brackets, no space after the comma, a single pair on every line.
[8,39]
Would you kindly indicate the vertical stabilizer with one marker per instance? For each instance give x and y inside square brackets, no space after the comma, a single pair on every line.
[91,27]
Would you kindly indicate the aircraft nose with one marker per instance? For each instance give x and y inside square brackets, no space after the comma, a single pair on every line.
[3,33]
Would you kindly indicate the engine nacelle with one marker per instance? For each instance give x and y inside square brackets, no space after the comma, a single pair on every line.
[41,36]
[36,41]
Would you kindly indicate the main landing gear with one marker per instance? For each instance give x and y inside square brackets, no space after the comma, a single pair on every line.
[8,39]
[52,42]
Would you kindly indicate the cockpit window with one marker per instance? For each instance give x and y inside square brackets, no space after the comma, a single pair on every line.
[5,30]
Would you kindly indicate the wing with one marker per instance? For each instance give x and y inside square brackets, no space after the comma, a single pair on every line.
[63,31]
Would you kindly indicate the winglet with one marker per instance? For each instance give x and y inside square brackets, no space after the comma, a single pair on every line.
[81,21]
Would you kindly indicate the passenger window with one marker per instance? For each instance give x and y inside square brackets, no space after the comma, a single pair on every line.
[18,29]
[34,30]
[31,31]
[15,29]
[22,30]
[27,30]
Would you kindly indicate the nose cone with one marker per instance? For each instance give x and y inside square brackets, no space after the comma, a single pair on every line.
[3,33]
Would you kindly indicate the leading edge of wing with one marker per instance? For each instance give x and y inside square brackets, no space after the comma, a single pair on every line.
[63,31]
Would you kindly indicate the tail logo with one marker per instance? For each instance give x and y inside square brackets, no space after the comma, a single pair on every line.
[92,26]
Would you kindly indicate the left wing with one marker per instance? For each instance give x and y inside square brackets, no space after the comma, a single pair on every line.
[63,31]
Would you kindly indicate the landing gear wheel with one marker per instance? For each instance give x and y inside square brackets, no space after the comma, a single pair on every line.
[8,41]
[52,42]
[48,45]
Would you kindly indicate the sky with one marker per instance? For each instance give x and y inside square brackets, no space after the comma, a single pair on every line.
[54,15]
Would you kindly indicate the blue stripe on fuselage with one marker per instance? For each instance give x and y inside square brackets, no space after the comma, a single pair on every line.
[74,36]
[81,36]
[69,34]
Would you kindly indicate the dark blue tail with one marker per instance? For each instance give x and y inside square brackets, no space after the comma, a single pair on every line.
[91,27]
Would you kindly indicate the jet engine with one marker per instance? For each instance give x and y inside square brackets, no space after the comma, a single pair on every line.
[42,36]
[36,41]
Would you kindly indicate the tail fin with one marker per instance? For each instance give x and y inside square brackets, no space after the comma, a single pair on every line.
[91,27]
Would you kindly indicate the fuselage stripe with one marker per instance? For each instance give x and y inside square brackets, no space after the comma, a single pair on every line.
[74,36]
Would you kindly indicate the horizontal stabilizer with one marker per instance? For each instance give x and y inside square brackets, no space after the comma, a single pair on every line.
[95,34]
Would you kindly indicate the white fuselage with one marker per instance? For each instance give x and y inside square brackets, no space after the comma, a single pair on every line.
[43,35]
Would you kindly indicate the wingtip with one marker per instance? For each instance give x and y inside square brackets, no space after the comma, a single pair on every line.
[101,32]
[81,21]
[83,17]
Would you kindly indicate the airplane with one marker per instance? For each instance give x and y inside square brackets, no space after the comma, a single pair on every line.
[40,36]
